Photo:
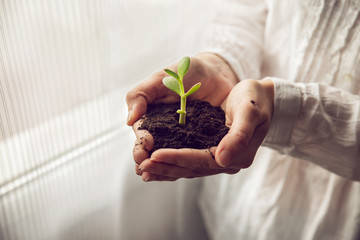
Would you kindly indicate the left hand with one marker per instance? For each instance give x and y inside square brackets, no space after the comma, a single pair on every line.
[248,113]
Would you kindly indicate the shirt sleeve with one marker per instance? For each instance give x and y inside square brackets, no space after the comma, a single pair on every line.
[237,35]
[319,123]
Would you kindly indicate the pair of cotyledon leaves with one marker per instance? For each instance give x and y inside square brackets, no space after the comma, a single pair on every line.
[174,82]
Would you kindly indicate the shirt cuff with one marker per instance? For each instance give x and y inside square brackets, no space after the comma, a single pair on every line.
[231,60]
[287,103]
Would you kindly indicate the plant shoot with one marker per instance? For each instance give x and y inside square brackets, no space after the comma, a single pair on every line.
[175,82]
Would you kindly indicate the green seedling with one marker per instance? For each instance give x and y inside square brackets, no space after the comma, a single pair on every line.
[175,83]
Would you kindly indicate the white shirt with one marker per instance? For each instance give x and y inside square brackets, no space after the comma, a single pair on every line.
[304,184]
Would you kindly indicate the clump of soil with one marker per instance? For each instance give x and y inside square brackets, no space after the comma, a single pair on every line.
[204,127]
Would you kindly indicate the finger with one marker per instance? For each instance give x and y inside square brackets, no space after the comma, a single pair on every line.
[137,170]
[143,144]
[137,108]
[163,169]
[186,157]
[173,171]
[144,138]
[258,136]
[139,153]
[148,177]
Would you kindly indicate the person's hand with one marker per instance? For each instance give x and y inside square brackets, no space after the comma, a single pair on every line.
[248,113]
[217,80]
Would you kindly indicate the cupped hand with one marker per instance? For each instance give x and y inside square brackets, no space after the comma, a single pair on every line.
[215,75]
[217,80]
[248,114]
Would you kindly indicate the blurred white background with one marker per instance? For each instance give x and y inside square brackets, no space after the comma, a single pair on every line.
[66,169]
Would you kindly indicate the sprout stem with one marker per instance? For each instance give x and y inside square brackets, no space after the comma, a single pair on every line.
[182,111]
[175,83]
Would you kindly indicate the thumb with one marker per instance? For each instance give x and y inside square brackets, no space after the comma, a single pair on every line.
[139,97]
[233,149]
[146,92]
[137,106]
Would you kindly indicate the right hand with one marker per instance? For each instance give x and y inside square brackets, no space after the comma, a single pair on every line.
[217,80]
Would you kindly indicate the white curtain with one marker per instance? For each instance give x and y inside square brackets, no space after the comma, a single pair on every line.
[66,170]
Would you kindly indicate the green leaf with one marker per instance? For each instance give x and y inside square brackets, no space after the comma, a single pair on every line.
[193,89]
[172,84]
[183,66]
[173,74]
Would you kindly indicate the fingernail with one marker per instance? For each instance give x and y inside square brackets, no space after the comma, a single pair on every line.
[224,158]
[141,169]
[129,116]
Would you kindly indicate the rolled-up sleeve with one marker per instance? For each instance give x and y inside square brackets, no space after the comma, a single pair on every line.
[318,123]
[237,35]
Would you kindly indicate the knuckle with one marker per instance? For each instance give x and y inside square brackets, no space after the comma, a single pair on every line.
[139,155]
[159,74]
[137,161]
[130,95]
[137,94]
[253,111]
[241,138]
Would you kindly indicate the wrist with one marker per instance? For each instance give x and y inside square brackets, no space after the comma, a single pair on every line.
[220,66]
[268,88]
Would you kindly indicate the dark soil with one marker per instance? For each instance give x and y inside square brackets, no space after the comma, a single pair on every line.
[204,127]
